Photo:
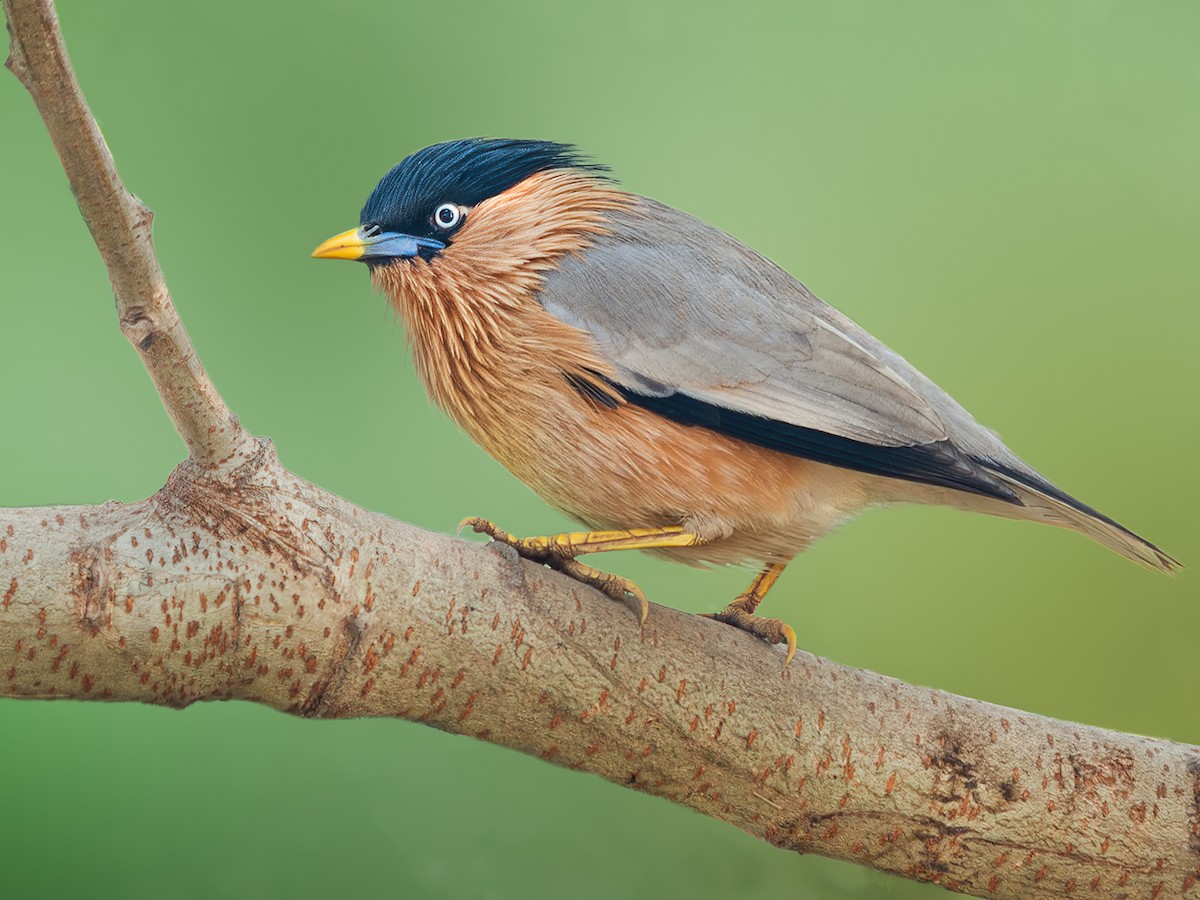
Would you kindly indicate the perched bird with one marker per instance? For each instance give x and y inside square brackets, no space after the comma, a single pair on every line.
[655,379]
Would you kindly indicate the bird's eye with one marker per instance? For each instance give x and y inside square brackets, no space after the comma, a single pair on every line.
[447,216]
[371,230]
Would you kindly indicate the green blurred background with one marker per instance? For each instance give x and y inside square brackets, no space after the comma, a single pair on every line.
[1008,194]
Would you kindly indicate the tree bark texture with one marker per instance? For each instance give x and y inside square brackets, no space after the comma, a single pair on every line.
[261,586]
[240,580]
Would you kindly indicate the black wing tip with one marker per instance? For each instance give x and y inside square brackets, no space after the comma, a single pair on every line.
[1035,482]
[1166,563]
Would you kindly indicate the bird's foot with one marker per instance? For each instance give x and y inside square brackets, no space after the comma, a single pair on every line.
[536,549]
[559,551]
[571,544]
[740,614]
[615,586]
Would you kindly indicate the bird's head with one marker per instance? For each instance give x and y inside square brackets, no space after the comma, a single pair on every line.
[460,237]
[474,192]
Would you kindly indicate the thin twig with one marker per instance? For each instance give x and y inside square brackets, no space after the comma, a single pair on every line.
[120,225]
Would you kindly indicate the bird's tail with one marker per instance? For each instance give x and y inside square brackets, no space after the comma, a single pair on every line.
[1040,501]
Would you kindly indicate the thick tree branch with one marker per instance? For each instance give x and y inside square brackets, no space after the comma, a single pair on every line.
[263,587]
[239,579]
[120,225]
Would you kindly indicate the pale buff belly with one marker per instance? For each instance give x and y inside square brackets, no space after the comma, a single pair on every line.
[630,468]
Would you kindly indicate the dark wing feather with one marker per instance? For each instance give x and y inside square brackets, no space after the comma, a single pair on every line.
[938,463]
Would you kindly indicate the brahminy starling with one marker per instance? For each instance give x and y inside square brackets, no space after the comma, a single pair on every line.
[662,383]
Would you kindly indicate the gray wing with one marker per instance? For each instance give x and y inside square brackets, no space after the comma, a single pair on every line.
[702,329]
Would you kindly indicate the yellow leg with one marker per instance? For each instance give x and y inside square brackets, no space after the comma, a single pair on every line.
[559,551]
[740,613]
[575,543]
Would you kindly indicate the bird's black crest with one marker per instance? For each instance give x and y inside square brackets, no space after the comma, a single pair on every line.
[465,172]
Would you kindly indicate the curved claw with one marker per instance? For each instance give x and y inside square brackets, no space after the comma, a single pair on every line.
[643,605]
[773,631]
[478,525]
[615,586]
[789,635]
